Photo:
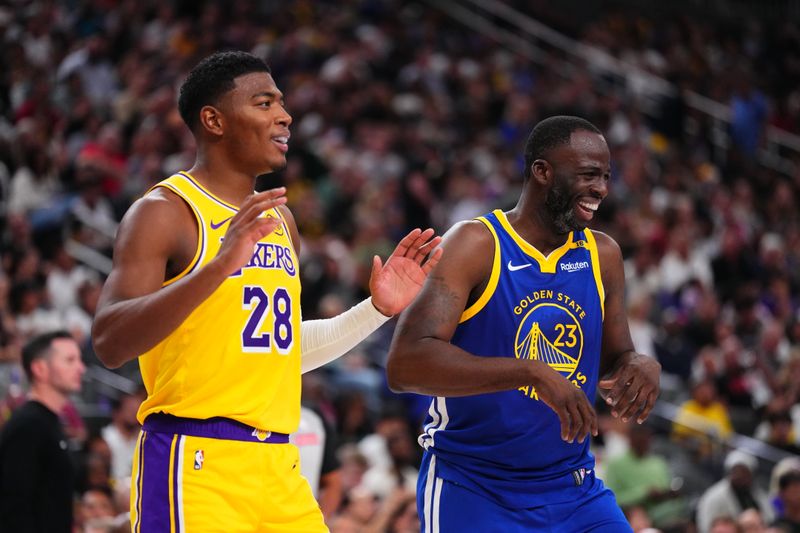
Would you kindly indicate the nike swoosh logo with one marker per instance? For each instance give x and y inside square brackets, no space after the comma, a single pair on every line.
[512,268]
[219,224]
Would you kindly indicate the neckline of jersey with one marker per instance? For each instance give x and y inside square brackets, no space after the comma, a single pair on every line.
[546,262]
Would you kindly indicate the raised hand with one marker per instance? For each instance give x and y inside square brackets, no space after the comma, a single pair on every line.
[631,389]
[577,416]
[248,227]
[394,285]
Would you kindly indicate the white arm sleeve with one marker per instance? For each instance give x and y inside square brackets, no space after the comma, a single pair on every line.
[325,340]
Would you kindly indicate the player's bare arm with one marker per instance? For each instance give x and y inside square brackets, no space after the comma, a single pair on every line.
[631,379]
[422,359]
[134,311]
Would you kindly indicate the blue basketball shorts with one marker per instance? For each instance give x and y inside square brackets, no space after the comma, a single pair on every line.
[445,506]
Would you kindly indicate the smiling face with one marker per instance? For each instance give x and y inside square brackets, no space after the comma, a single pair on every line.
[255,124]
[580,173]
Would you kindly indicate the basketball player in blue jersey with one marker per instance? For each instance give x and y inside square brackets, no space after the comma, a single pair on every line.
[205,292]
[510,334]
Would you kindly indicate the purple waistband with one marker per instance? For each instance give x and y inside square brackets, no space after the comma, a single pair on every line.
[212,428]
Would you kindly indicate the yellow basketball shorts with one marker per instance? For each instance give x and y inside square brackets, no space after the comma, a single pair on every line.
[218,475]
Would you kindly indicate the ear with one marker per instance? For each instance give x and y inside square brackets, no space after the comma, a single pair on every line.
[541,171]
[39,369]
[211,120]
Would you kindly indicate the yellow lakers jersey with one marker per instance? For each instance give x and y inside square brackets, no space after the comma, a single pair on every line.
[237,355]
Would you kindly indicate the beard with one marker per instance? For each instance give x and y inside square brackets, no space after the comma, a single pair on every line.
[558,203]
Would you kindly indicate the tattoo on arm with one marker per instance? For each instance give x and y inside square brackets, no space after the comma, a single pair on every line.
[428,314]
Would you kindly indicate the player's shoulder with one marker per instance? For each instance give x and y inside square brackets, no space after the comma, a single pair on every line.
[158,206]
[469,250]
[473,233]
[606,245]
[159,221]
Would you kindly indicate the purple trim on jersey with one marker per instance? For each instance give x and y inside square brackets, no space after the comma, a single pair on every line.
[206,193]
[231,207]
[155,514]
[202,253]
[212,428]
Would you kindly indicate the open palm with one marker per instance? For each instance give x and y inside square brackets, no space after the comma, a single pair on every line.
[395,284]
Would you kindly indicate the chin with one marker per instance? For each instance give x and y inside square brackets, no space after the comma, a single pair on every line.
[274,166]
[564,225]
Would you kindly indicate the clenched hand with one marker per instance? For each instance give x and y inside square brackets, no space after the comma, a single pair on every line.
[577,416]
[631,389]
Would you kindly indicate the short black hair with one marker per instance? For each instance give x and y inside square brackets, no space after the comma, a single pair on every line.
[779,416]
[213,77]
[788,478]
[39,347]
[552,132]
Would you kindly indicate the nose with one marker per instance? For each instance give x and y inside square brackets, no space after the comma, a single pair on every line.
[600,187]
[284,118]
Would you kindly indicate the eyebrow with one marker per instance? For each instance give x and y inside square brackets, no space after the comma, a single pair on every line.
[268,94]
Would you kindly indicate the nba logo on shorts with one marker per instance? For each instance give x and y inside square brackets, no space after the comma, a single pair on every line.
[199,457]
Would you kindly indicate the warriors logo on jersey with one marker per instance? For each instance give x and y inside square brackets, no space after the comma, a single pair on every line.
[560,345]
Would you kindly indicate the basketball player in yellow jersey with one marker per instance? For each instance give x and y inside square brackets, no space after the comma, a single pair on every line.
[205,292]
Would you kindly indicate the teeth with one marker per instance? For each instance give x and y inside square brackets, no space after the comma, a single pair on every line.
[282,140]
[589,206]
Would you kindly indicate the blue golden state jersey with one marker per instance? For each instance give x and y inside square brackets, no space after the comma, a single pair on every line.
[508,444]
[237,355]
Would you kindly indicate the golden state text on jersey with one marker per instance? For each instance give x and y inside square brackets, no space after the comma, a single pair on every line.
[534,307]
[237,355]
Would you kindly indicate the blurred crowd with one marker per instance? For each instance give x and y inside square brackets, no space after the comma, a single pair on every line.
[402,119]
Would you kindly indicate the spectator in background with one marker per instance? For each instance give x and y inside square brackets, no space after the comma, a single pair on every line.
[354,466]
[643,332]
[748,116]
[392,453]
[750,521]
[95,504]
[316,442]
[94,221]
[65,278]
[780,433]
[734,493]
[33,315]
[789,487]
[121,435]
[702,421]
[78,318]
[36,473]
[640,477]
[683,263]
[724,524]
[638,519]
[34,184]
[783,466]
